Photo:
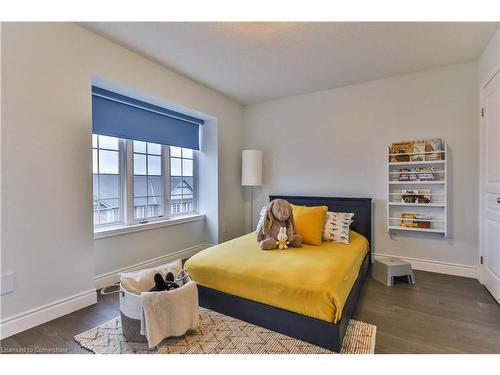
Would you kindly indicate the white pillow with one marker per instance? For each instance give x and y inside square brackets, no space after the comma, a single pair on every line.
[336,226]
[261,218]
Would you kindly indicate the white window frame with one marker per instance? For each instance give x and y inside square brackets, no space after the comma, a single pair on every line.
[195,184]
[127,211]
[131,219]
[121,170]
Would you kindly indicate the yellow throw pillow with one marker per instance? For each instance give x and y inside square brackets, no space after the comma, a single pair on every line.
[309,223]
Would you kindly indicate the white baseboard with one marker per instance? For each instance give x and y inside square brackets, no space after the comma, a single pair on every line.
[113,277]
[436,266]
[32,318]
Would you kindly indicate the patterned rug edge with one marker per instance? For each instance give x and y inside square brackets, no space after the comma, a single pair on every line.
[95,349]
[85,346]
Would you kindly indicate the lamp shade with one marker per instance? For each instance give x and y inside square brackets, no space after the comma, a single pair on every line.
[251,168]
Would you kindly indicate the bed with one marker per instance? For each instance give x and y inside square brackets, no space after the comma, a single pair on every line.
[308,293]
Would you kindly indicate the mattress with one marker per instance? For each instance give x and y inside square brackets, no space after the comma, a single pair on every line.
[312,280]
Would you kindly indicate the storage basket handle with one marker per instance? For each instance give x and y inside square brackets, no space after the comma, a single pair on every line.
[181,276]
[104,291]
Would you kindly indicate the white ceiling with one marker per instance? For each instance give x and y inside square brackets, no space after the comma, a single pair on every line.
[254,62]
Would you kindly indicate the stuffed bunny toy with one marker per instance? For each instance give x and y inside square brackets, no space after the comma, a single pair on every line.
[167,284]
[278,214]
[282,239]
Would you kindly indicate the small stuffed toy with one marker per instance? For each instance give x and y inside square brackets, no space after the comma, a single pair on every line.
[282,239]
[278,214]
[167,284]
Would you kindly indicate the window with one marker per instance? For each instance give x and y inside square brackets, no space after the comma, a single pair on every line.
[144,160]
[137,182]
[107,176]
[181,180]
[149,190]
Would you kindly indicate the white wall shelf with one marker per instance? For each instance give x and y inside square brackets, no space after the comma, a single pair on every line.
[417,204]
[416,182]
[397,227]
[436,211]
[435,171]
[426,220]
[425,162]
[399,193]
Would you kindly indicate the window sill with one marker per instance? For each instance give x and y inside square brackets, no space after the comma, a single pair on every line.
[126,229]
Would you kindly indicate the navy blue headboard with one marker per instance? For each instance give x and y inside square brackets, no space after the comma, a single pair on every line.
[361,207]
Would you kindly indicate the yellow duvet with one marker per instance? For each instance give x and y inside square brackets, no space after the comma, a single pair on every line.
[311,280]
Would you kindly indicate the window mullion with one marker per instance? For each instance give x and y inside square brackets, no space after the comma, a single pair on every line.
[98,184]
[195,181]
[166,180]
[146,217]
[122,173]
[129,182]
[182,181]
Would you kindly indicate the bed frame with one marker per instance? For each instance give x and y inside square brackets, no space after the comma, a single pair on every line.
[315,331]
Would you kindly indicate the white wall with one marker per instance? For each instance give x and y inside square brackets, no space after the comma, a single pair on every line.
[47,70]
[490,58]
[334,143]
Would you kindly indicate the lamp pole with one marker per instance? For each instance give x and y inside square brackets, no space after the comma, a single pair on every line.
[251,174]
[251,208]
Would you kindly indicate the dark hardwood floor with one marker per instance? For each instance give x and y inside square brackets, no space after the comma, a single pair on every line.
[57,335]
[439,314]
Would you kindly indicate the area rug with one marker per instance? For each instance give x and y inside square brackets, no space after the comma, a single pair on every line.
[221,334]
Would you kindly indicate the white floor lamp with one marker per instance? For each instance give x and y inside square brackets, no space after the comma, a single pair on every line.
[251,174]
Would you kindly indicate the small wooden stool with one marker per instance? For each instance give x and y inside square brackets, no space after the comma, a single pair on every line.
[384,270]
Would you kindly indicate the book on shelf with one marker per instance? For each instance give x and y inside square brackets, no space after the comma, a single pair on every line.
[413,220]
[433,148]
[417,174]
[417,150]
[422,196]
[403,149]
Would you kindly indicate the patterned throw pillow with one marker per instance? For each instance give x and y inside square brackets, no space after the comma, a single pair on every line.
[336,226]
[261,218]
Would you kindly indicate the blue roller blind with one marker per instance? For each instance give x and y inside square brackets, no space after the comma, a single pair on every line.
[120,116]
